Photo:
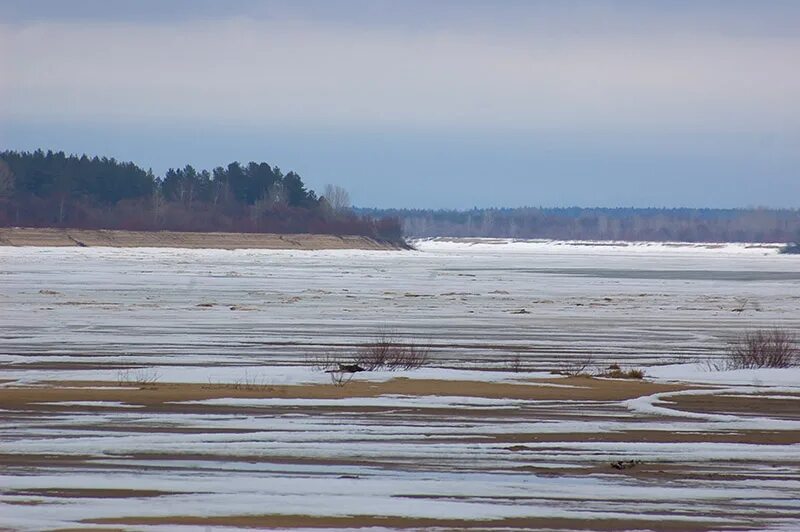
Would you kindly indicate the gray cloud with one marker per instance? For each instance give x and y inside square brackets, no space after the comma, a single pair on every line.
[739,18]
[243,70]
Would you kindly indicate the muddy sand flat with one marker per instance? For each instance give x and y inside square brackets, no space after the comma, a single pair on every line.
[561,453]
[160,394]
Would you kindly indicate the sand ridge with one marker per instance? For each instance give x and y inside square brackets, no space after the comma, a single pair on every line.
[570,388]
[584,399]
[55,237]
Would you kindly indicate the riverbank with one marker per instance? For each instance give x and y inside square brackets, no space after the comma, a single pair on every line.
[45,237]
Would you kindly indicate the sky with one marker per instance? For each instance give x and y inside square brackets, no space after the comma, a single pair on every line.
[446,104]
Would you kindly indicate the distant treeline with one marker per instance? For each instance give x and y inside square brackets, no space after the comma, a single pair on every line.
[52,189]
[574,223]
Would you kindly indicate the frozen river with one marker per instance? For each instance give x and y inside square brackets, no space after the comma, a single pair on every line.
[217,437]
[479,304]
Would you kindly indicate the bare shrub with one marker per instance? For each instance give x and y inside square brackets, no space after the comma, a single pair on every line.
[341,372]
[409,356]
[576,366]
[764,348]
[248,382]
[388,351]
[716,363]
[341,378]
[323,361]
[138,376]
[375,355]
[741,304]
[515,363]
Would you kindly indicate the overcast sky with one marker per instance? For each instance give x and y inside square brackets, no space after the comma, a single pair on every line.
[424,104]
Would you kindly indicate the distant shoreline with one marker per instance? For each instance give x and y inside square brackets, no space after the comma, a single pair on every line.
[57,237]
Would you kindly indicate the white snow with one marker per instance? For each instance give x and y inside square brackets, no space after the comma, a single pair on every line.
[268,375]
[262,318]
[515,245]
[635,305]
[700,373]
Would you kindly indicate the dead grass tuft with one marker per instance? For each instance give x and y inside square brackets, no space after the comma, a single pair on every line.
[623,374]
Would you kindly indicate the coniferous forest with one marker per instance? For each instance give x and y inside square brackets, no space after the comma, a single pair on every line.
[53,189]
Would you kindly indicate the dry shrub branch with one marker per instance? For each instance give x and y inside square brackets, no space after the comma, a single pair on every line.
[765,348]
[387,351]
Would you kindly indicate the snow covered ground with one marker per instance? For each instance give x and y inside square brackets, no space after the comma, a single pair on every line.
[264,318]
[479,304]
[701,373]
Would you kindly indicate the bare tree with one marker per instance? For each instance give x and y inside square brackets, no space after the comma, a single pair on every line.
[63,192]
[277,195]
[259,209]
[158,206]
[338,198]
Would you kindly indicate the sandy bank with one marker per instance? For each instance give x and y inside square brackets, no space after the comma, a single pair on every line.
[18,236]
[161,394]
[555,453]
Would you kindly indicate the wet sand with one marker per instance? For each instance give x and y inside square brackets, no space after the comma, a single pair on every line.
[584,399]
[556,389]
